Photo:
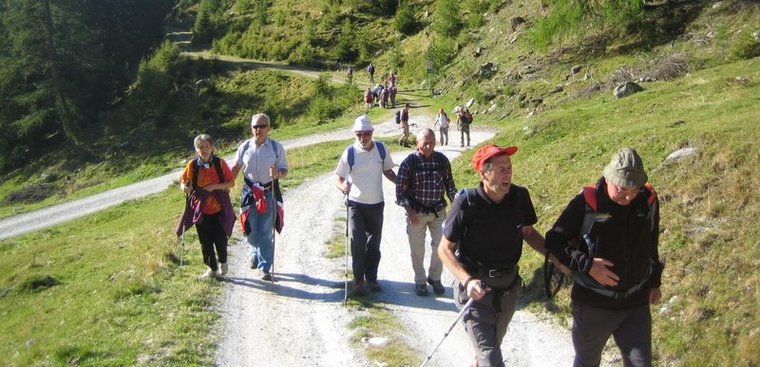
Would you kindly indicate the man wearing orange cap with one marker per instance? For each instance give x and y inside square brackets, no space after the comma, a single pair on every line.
[481,246]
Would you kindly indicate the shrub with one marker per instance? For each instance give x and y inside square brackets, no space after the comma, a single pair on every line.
[746,47]
[404,21]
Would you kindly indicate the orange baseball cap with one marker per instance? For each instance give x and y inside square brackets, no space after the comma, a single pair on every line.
[485,153]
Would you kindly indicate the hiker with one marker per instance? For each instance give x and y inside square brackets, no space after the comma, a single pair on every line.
[442,121]
[464,119]
[350,72]
[392,79]
[263,163]
[423,179]
[481,246]
[207,180]
[404,140]
[359,176]
[376,92]
[368,96]
[392,93]
[383,100]
[371,72]
[608,236]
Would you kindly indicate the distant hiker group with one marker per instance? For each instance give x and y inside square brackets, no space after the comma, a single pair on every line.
[606,238]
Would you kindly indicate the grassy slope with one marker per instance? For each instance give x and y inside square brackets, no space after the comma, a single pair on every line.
[710,234]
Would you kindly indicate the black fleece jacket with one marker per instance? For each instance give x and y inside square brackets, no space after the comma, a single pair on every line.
[625,235]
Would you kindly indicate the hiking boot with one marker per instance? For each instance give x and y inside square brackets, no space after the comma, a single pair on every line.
[223,268]
[374,286]
[208,274]
[358,289]
[266,276]
[254,262]
[421,290]
[437,286]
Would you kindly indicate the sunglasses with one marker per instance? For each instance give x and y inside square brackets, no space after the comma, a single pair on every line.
[363,134]
[258,126]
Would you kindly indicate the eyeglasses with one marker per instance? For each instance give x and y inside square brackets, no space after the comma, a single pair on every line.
[360,134]
[258,126]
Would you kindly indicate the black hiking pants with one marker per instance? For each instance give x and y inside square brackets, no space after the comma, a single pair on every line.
[631,329]
[212,236]
[365,223]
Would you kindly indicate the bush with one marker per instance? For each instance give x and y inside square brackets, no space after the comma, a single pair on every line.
[746,47]
[404,21]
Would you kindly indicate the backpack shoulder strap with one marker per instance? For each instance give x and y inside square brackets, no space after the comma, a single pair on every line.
[218,165]
[195,172]
[589,196]
[652,194]
[651,202]
[468,210]
[381,150]
[352,152]
[275,149]
[350,157]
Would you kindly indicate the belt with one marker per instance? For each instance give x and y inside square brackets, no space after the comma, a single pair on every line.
[267,187]
[496,273]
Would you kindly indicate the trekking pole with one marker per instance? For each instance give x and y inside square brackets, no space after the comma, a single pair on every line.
[181,246]
[274,223]
[345,291]
[459,316]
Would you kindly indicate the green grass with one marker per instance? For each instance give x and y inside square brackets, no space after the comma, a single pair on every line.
[376,321]
[709,206]
[121,298]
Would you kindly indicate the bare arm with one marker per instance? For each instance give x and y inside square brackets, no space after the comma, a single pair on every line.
[343,185]
[390,175]
[446,251]
[235,170]
[220,186]
[536,241]
[277,173]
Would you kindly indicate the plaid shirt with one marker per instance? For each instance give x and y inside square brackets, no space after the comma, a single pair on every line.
[421,183]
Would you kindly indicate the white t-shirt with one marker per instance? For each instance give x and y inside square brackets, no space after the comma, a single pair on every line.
[443,120]
[366,176]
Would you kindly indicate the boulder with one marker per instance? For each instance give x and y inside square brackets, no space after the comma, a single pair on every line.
[626,89]
[680,154]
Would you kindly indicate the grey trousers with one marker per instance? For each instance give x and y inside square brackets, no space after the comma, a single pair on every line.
[485,325]
[631,329]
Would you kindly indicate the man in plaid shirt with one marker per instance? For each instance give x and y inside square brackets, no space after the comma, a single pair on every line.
[422,180]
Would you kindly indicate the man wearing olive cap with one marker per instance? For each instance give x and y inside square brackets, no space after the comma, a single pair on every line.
[608,236]
[481,246]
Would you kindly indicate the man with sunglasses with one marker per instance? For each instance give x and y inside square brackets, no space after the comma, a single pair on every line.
[608,236]
[263,163]
[359,176]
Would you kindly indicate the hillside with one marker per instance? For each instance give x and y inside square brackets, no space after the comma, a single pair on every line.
[545,83]
[549,89]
